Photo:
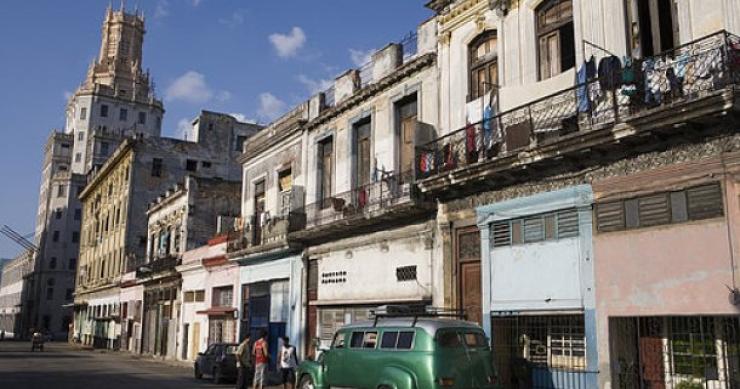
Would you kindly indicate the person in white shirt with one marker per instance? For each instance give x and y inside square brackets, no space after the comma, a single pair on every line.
[288,363]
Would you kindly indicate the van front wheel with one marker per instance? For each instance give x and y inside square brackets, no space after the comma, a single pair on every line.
[306,383]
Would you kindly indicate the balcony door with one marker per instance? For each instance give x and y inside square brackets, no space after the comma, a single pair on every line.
[259,210]
[362,173]
[406,114]
[325,171]
[653,26]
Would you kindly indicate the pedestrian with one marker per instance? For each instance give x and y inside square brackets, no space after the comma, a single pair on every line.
[261,357]
[244,363]
[2,335]
[288,363]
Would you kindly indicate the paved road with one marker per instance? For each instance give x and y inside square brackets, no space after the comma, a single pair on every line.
[62,366]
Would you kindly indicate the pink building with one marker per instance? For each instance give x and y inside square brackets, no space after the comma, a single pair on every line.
[666,247]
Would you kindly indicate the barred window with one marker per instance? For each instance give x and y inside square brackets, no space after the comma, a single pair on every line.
[695,203]
[406,273]
[544,227]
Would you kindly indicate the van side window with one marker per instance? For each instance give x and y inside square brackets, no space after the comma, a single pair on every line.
[475,340]
[389,339]
[405,340]
[371,339]
[338,340]
[356,341]
[448,339]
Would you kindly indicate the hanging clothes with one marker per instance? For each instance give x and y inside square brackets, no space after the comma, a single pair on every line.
[583,102]
[471,144]
[610,72]
[653,95]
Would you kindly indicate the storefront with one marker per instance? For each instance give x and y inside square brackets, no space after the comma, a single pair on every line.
[160,319]
[132,296]
[270,300]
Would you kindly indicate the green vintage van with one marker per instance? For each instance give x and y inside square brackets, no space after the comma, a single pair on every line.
[403,353]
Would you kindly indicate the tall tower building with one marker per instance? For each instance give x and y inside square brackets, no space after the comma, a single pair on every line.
[116,98]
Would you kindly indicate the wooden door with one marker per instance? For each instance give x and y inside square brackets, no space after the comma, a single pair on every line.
[468,258]
[195,340]
[470,285]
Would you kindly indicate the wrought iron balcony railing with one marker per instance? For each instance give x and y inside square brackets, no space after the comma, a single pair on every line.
[265,231]
[361,202]
[689,72]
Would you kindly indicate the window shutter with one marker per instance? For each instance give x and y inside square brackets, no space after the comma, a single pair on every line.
[704,202]
[679,212]
[501,234]
[534,229]
[654,210]
[568,223]
[610,216]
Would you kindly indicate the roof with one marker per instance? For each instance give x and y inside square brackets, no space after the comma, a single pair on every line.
[430,325]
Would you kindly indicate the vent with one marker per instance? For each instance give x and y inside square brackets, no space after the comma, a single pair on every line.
[567,223]
[501,234]
[610,216]
[654,210]
[406,273]
[334,277]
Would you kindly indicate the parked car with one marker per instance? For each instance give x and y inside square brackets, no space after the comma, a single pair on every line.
[218,361]
[403,353]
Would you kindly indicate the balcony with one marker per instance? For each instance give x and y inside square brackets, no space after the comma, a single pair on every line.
[264,237]
[679,96]
[159,267]
[381,204]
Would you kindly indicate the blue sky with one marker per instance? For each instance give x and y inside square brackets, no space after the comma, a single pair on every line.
[249,57]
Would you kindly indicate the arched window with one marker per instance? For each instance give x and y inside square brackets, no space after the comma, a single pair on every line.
[483,64]
[555,38]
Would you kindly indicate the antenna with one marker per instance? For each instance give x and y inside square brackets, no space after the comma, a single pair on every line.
[18,238]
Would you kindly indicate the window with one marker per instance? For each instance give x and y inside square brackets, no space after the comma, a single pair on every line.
[104,148]
[406,113]
[205,164]
[156,167]
[555,38]
[50,289]
[545,227]
[83,116]
[223,296]
[397,340]
[142,117]
[200,296]
[68,294]
[123,114]
[191,165]
[370,340]
[238,146]
[104,111]
[78,157]
[78,214]
[356,341]
[338,341]
[325,170]
[189,296]
[285,180]
[61,190]
[65,146]
[58,213]
[75,237]
[448,339]
[53,263]
[475,340]
[81,135]
[483,65]
[72,264]
[361,150]
[696,203]
[55,236]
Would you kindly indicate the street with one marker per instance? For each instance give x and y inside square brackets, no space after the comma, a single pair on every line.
[62,366]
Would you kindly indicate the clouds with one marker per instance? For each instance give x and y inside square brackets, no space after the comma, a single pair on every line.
[67,95]
[270,106]
[243,118]
[314,86]
[184,128]
[233,20]
[192,88]
[287,45]
[361,57]
[162,9]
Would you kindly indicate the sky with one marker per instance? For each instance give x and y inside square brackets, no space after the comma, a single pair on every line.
[251,58]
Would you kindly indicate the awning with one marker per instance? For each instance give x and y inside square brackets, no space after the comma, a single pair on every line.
[217,311]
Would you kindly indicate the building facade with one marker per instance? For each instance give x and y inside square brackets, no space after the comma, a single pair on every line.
[115,229]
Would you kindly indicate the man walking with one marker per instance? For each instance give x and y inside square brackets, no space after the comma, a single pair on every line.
[261,357]
[288,363]
[244,363]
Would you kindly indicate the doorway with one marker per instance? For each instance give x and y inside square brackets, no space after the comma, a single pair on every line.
[467,256]
[653,26]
